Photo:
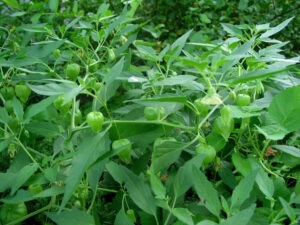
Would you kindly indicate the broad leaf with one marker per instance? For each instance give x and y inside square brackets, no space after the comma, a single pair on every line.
[122,218]
[49,89]
[91,148]
[22,176]
[184,215]
[241,218]
[276,29]
[165,154]
[285,108]
[138,190]
[183,179]
[294,151]
[206,192]
[74,216]
[111,80]
[35,109]
[242,191]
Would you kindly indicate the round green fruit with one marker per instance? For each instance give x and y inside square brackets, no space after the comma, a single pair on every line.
[7,92]
[72,71]
[123,148]
[12,212]
[56,53]
[243,99]
[9,106]
[60,105]
[111,54]
[201,107]
[208,150]
[35,188]
[22,92]
[95,121]
[154,113]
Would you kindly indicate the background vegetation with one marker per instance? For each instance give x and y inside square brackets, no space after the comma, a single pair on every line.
[149,112]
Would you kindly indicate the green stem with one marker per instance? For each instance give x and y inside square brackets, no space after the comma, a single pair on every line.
[107,190]
[28,153]
[158,122]
[49,206]
[170,211]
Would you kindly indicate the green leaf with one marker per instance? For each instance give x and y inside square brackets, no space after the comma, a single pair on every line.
[264,182]
[232,29]
[164,98]
[22,176]
[241,164]
[4,117]
[6,180]
[288,149]
[206,222]
[17,14]
[138,190]
[52,191]
[206,192]
[34,28]
[285,108]
[258,74]
[35,109]
[184,215]
[156,185]
[183,179]
[288,209]
[64,87]
[91,148]
[13,3]
[53,5]
[122,218]
[276,29]
[4,144]
[18,108]
[111,81]
[241,218]
[176,80]
[40,50]
[245,111]
[177,46]
[17,63]
[165,154]
[20,196]
[242,191]
[273,132]
[45,129]
[148,53]
[74,216]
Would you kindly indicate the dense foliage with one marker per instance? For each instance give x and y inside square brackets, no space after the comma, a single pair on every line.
[120,113]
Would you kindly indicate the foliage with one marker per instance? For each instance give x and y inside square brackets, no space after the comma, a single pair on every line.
[99,124]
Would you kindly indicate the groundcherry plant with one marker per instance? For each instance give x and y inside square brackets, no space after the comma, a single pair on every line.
[100,124]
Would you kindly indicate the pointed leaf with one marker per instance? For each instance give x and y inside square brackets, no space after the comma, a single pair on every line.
[285,108]
[276,29]
[165,153]
[241,218]
[138,190]
[22,176]
[184,215]
[288,209]
[35,109]
[74,216]
[292,150]
[206,192]
[87,152]
[122,218]
[242,191]
[183,179]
